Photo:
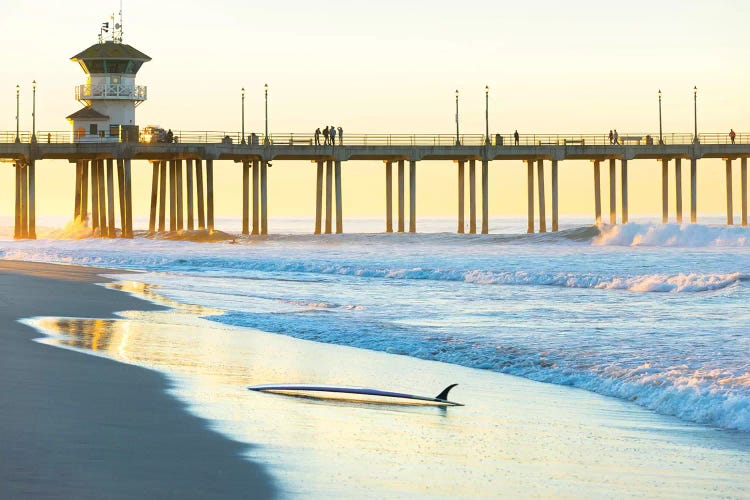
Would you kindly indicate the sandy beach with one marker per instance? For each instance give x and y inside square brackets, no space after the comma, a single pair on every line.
[515,438]
[78,426]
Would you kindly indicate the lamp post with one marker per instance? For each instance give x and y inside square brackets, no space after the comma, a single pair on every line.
[487,114]
[661,141]
[243,115]
[695,114]
[18,98]
[265,88]
[458,141]
[33,111]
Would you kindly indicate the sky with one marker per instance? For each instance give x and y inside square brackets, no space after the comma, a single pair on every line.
[393,67]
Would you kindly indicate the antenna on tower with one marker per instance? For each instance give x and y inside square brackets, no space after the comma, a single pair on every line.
[117,33]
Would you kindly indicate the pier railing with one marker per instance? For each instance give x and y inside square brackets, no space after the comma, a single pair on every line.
[307,139]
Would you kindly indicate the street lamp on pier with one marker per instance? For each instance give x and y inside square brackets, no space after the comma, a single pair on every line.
[18,99]
[458,141]
[695,114]
[265,138]
[487,114]
[33,111]
[243,115]
[661,141]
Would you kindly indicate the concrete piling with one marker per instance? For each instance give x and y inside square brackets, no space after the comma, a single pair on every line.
[85,191]
[154,196]
[612,191]
[460,197]
[94,195]
[678,189]
[597,193]
[172,196]
[693,190]
[339,207]
[318,196]
[472,197]
[555,225]
[162,195]
[401,196]
[412,196]
[540,182]
[329,196]
[664,191]
[199,192]
[388,196]
[485,197]
[190,191]
[530,196]
[730,215]
[263,197]
[245,197]
[256,197]
[31,232]
[180,191]
[111,198]
[210,194]
[624,189]
[77,201]
[743,188]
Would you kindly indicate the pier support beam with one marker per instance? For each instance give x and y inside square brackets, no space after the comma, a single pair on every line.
[102,199]
[94,195]
[210,194]
[154,196]
[190,190]
[624,190]
[19,188]
[542,210]
[199,191]
[678,189]
[693,190]
[329,196]
[401,196]
[77,202]
[597,193]
[172,196]
[664,191]
[25,202]
[339,206]
[121,193]
[111,198]
[319,197]
[460,197]
[264,197]
[31,231]
[180,191]
[85,191]
[256,197]
[743,187]
[128,229]
[730,214]
[485,197]
[388,197]
[530,195]
[612,191]
[472,197]
[162,194]
[245,197]
[555,225]
[412,196]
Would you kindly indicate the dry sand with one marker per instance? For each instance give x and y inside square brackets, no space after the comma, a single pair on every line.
[78,426]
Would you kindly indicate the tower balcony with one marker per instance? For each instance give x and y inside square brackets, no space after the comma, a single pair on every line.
[135,93]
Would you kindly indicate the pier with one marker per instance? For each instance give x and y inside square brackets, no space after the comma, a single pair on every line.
[183,174]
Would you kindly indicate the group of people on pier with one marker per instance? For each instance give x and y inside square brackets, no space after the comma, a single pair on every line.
[329,135]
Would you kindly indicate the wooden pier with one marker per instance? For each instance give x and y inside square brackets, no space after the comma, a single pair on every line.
[180,181]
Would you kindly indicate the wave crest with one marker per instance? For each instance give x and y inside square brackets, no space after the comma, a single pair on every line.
[672,235]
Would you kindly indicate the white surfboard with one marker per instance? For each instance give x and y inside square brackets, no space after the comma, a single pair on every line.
[439,400]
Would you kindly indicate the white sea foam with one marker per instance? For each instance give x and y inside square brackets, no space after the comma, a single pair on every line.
[673,235]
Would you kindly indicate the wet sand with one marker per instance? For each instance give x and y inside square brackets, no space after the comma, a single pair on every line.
[79,426]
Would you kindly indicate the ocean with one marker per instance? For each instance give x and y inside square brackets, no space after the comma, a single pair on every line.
[653,315]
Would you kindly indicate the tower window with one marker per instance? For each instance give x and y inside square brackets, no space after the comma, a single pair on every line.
[93,129]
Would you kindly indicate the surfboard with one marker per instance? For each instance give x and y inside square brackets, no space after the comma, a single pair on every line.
[439,400]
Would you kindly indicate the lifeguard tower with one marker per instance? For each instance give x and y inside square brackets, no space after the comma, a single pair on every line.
[110,94]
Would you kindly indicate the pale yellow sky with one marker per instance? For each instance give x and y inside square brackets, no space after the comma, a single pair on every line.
[392,67]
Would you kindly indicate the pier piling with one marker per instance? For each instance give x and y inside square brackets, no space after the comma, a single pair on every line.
[743,187]
[17,213]
[180,191]
[472,197]
[664,191]
[693,190]
[25,202]
[555,225]
[401,196]
[318,196]
[245,197]
[256,197]
[31,233]
[612,191]
[530,195]
[388,196]
[103,226]
[190,191]
[154,196]
[77,200]
[485,197]
[624,189]
[542,210]
[730,215]
[121,192]
[263,198]
[85,191]
[412,196]
[339,207]
[678,189]
[172,196]
[162,195]
[94,196]
[597,193]
[329,195]
[210,193]
[460,197]
[111,198]
[199,192]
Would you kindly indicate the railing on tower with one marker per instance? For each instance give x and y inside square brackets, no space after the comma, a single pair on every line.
[110,91]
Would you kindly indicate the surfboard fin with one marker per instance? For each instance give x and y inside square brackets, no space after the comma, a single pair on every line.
[443,396]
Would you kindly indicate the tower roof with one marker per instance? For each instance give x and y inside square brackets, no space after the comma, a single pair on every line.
[111,50]
[87,113]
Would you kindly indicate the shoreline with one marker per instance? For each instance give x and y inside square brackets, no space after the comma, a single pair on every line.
[79,426]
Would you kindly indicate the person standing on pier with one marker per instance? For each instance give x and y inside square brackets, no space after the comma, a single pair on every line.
[732,135]
[333,135]
[516,137]
[611,137]
[341,136]
[616,137]
[317,136]
[325,136]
